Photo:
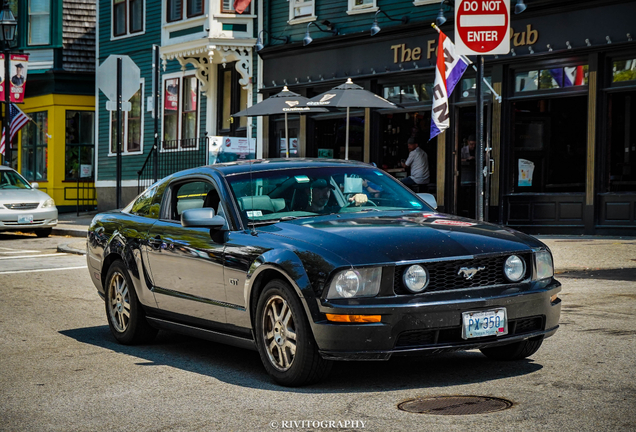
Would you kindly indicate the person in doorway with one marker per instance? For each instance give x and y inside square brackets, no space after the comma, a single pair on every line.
[468,151]
[418,164]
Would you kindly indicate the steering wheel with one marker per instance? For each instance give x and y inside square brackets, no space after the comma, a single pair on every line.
[352,203]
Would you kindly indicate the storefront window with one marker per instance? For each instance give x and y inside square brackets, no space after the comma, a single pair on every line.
[35,147]
[80,144]
[549,145]
[171,114]
[190,104]
[411,93]
[624,70]
[181,113]
[469,86]
[546,79]
[621,152]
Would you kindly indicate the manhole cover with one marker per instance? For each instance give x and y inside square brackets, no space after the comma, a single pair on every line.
[455,405]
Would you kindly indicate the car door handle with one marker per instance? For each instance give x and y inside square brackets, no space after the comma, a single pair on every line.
[157,243]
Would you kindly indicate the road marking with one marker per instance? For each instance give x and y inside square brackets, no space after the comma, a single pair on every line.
[42,270]
[12,251]
[33,256]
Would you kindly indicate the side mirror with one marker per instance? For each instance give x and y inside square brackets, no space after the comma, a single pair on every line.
[35,185]
[202,218]
[428,199]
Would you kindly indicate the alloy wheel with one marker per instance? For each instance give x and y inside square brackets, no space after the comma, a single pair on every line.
[279,333]
[119,302]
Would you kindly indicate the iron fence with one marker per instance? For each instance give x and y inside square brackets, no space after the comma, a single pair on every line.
[172,156]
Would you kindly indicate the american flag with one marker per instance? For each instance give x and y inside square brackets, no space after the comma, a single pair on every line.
[18,120]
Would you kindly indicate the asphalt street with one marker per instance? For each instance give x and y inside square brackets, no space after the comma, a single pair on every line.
[62,370]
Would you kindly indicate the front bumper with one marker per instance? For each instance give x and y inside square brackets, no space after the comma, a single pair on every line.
[433,324]
[42,218]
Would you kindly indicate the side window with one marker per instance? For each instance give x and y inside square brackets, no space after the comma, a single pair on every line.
[143,206]
[193,195]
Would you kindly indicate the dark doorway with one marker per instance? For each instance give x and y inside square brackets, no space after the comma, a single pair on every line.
[463,160]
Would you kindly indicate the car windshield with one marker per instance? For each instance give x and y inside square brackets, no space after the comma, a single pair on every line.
[294,193]
[13,180]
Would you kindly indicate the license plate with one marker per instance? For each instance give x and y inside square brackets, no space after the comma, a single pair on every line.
[484,323]
[25,219]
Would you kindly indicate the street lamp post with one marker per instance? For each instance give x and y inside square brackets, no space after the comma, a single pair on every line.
[8,25]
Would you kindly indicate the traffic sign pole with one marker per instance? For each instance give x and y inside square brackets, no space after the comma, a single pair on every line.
[481,28]
[119,131]
[479,154]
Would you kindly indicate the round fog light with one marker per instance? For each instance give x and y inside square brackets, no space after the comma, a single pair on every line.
[514,268]
[415,278]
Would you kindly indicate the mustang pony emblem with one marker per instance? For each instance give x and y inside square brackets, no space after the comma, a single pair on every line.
[469,272]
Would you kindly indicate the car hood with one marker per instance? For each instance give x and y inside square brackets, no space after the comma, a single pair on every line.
[22,196]
[372,238]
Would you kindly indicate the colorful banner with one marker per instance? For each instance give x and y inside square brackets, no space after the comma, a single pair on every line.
[19,67]
[2,77]
[449,69]
[172,94]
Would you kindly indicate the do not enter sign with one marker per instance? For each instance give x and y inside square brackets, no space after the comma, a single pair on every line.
[482,26]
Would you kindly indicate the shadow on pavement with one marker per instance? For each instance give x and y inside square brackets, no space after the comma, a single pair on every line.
[624,274]
[244,368]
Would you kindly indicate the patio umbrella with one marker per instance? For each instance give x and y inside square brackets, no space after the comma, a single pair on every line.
[349,95]
[281,103]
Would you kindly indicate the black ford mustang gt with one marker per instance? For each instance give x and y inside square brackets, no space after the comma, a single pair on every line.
[311,261]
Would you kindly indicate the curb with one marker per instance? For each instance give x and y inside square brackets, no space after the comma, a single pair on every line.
[69,232]
[69,248]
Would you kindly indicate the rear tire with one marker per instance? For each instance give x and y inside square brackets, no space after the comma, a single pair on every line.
[43,232]
[284,339]
[513,351]
[126,317]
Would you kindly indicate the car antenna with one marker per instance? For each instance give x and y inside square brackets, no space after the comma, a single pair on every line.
[254,232]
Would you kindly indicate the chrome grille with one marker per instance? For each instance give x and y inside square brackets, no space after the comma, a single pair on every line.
[22,206]
[444,274]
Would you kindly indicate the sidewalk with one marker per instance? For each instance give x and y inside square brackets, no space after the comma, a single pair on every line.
[571,253]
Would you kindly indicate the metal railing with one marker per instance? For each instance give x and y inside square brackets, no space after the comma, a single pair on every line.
[172,156]
[83,193]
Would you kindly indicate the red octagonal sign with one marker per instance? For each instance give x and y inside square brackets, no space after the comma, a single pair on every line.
[482,26]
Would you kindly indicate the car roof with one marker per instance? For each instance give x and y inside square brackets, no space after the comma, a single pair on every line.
[6,168]
[259,165]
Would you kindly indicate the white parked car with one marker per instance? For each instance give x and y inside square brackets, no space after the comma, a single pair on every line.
[23,207]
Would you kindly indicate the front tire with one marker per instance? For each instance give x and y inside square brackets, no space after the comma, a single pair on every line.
[514,351]
[42,233]
[126,317]
[284,339]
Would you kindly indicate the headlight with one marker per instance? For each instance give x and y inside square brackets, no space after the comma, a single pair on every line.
[545,268]
[514,268]
[415,278]
[49,203]
[355,283]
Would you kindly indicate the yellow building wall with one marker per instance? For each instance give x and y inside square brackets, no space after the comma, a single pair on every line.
[56,106]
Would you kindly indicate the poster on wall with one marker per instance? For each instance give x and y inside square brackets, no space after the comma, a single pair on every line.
[19,67]
[526,169]
[293,147]
[229,149]
[172,94]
